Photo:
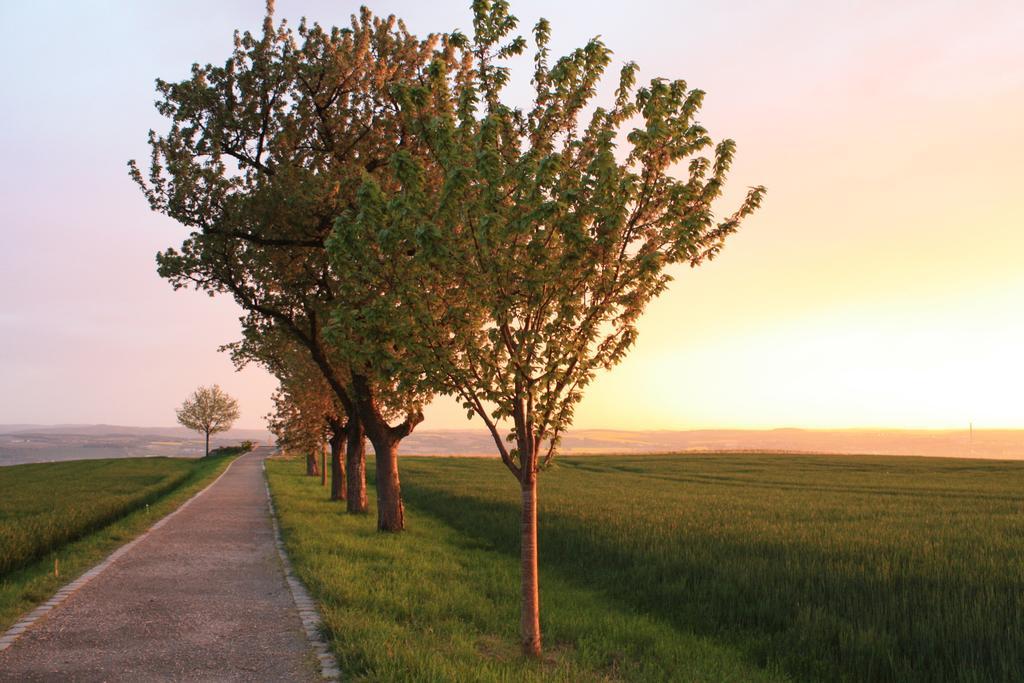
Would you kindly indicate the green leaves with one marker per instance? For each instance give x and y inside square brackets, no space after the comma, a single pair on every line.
[372,196]
[545,243]
[209,410]
[261,157]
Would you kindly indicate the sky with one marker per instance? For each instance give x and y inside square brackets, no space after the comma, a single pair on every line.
[880,285]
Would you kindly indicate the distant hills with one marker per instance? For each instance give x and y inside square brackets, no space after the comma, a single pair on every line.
[22,443]
[34,443]
[121,430]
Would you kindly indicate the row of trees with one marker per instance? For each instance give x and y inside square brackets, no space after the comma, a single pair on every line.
[394,229]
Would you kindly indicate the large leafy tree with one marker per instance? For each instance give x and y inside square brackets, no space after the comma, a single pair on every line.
[262,153]
[209,410]
[525,246]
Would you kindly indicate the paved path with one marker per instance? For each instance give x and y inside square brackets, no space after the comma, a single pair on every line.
[201,598]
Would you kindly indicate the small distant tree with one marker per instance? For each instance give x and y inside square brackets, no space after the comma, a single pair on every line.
[208,410]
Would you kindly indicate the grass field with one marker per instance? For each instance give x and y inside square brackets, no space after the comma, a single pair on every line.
[739,567]
[76,512]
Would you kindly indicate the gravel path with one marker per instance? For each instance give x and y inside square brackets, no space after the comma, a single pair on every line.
[202,598]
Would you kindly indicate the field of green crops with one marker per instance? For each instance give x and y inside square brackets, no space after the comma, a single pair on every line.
[58,519]
[45,505]
[717,567]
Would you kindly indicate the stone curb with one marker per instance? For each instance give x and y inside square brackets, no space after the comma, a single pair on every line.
[14,632]
[311,621]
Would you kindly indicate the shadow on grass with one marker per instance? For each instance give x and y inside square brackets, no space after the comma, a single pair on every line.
[821,610]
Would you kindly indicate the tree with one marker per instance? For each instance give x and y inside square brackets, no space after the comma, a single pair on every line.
[262,154]
[296,430]
[526,245]
[304,397]
[208,410]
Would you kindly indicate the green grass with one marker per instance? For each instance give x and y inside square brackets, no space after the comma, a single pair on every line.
[738,567]
[77,512]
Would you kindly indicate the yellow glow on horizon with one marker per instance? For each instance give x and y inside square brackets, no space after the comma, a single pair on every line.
[907,365]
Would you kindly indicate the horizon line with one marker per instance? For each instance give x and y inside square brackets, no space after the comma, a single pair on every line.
[966,428]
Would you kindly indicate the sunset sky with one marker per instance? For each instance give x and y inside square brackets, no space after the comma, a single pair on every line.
[881,284]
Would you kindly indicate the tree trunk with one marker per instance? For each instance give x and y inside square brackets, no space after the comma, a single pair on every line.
[355,454]
[323,465]
[385,440]
[311,468]
[207,444]
[390,511]
[338,488]
[530,616]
